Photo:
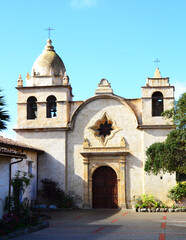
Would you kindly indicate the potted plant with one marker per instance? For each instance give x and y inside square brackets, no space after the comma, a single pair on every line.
[136,207]
[156,206]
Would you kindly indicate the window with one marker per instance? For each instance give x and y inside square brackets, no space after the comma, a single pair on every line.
[30,167]
[51,107]
[31,108]
[157,104]
[105,129]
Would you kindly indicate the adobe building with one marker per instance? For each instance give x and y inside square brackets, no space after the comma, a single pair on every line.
[15,156]
[94,149]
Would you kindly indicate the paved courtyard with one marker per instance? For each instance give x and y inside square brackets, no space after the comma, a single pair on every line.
[112,224]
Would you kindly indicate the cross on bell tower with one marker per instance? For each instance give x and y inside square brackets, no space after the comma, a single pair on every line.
[157,61]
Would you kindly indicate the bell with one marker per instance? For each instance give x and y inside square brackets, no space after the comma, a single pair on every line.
[54,114]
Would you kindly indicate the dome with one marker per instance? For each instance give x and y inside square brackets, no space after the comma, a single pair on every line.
[48,63]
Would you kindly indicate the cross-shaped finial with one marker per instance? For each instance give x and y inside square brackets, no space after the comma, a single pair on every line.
[157,61]
[49,29]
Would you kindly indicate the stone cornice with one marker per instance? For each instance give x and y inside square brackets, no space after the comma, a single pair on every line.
[46,129]
[163,98]
[39,102]
[105,151]
[156,127]
[157,87]
[42,87]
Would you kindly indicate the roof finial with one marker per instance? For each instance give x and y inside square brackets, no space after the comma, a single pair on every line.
[49,46]
[49,29]
[28,76]
[65,79]
[20,81]
[157,73]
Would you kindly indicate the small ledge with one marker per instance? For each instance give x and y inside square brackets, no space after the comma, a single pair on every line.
[105,151]
[156,127]
[41,129]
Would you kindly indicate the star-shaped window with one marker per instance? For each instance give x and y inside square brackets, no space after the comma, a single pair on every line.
[104,129]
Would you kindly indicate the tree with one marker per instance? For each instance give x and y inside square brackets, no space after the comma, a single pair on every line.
[4,117]
[170,156]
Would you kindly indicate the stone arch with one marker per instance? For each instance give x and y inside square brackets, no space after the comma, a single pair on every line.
[114,97]
[157,103]
[104,188]
[51,106]
[96,166]
[92,168]
[31,108]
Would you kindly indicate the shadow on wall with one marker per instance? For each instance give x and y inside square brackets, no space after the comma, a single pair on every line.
[52,168]
[133,163]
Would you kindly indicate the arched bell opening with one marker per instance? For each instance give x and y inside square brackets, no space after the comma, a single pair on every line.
[31,108]
[157,104]
[51,107]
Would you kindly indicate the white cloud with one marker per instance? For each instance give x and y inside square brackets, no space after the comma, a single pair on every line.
[79,4]
[180,88]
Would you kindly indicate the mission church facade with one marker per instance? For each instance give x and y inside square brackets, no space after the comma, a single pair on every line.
[94,149]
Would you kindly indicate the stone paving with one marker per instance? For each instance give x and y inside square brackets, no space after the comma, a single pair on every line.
[112,224]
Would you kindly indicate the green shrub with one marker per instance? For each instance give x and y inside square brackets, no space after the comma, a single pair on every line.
[147,201]
[157,205]
[163,206]
[178,192]
[55,195]
[18,213]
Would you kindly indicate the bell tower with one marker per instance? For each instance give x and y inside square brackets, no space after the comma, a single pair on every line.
[157,96]
[43,108]
[44,102]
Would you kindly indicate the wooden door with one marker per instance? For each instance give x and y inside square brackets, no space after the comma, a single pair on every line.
[104,190]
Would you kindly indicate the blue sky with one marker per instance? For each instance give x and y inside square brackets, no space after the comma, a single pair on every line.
[113,39]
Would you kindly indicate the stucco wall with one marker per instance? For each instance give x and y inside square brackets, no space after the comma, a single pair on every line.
[4,182]
[126,120]
[51,164]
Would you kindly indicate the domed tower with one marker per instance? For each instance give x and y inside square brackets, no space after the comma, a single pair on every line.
[43,110]
[44,102]
[48,69]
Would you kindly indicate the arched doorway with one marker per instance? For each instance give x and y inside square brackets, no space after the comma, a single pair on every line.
[104,188]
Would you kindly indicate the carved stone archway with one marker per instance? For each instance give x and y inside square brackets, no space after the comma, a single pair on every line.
[104,188]
[96,157]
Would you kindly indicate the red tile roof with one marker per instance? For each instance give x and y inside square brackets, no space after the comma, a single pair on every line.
[5,142]
[11,153]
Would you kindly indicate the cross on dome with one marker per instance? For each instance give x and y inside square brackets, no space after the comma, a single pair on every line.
[49,29]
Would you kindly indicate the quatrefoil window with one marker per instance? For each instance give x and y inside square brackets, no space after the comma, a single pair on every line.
[104,129]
